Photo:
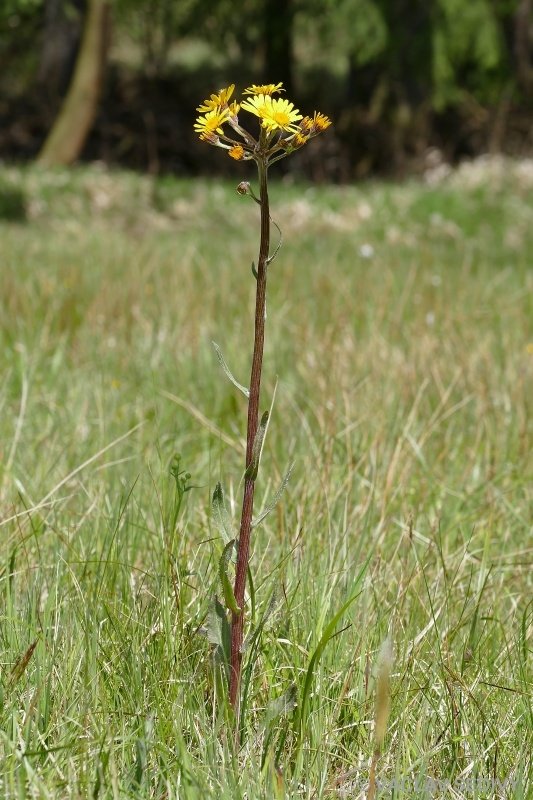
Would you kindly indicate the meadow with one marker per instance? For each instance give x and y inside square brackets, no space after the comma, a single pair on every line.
[399,333]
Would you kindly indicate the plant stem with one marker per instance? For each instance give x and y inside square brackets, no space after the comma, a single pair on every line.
[237,620]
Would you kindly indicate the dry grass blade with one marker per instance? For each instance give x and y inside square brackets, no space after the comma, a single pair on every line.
[20,666]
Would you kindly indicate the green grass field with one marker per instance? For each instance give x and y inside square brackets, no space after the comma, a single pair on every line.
[400,333]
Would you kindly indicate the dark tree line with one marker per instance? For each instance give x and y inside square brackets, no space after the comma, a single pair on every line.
[397,76]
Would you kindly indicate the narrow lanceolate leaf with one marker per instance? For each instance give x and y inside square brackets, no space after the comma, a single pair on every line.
[253,466]
[271,258]
[227,588]
[235,382]
[217,630]
[275,500]
[220,515]
[213,627]
[283,704]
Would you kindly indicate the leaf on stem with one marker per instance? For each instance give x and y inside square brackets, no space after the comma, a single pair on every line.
[235,382]
[221,516]
[271,258]
[217,630]
[275,500]
[253,467]
[227,588]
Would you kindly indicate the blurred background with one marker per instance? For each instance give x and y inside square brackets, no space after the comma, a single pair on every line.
[408,83]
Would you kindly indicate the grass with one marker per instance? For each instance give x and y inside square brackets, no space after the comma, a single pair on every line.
[398,326]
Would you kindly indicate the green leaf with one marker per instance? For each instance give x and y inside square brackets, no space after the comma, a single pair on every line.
[227,588]
[220,515]
[283,704]
[251,587]
[218,630]
[235,382]
[275,500]
[141,753]
[326,636]
[257,449]
[271,258]
[141,756]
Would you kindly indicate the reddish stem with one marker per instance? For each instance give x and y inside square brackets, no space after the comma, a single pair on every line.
[237,620]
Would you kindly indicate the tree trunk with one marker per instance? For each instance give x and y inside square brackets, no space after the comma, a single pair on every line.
[76,117]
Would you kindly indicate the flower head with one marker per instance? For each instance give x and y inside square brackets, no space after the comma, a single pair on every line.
[320,122]
[299,139]
[274,114]
[219,99]
[314,126]
[212,122]
[292,143]
[207,136]
[265,88]
[236,152]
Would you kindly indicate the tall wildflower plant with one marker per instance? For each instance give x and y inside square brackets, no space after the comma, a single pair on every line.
[282,131]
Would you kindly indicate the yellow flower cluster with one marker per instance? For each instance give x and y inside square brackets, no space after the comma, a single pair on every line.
[265,88]
[282,127]
[274,114]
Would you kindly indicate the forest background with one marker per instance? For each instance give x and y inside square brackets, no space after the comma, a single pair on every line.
[407,82]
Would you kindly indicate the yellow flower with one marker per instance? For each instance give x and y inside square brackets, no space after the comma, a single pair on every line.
[234,108]
[219,99]
[236,152]
[212,122]
[274,114]
[311,127]
[266,88]
[294,142]
[320,122]
[212,138]
[299,139]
